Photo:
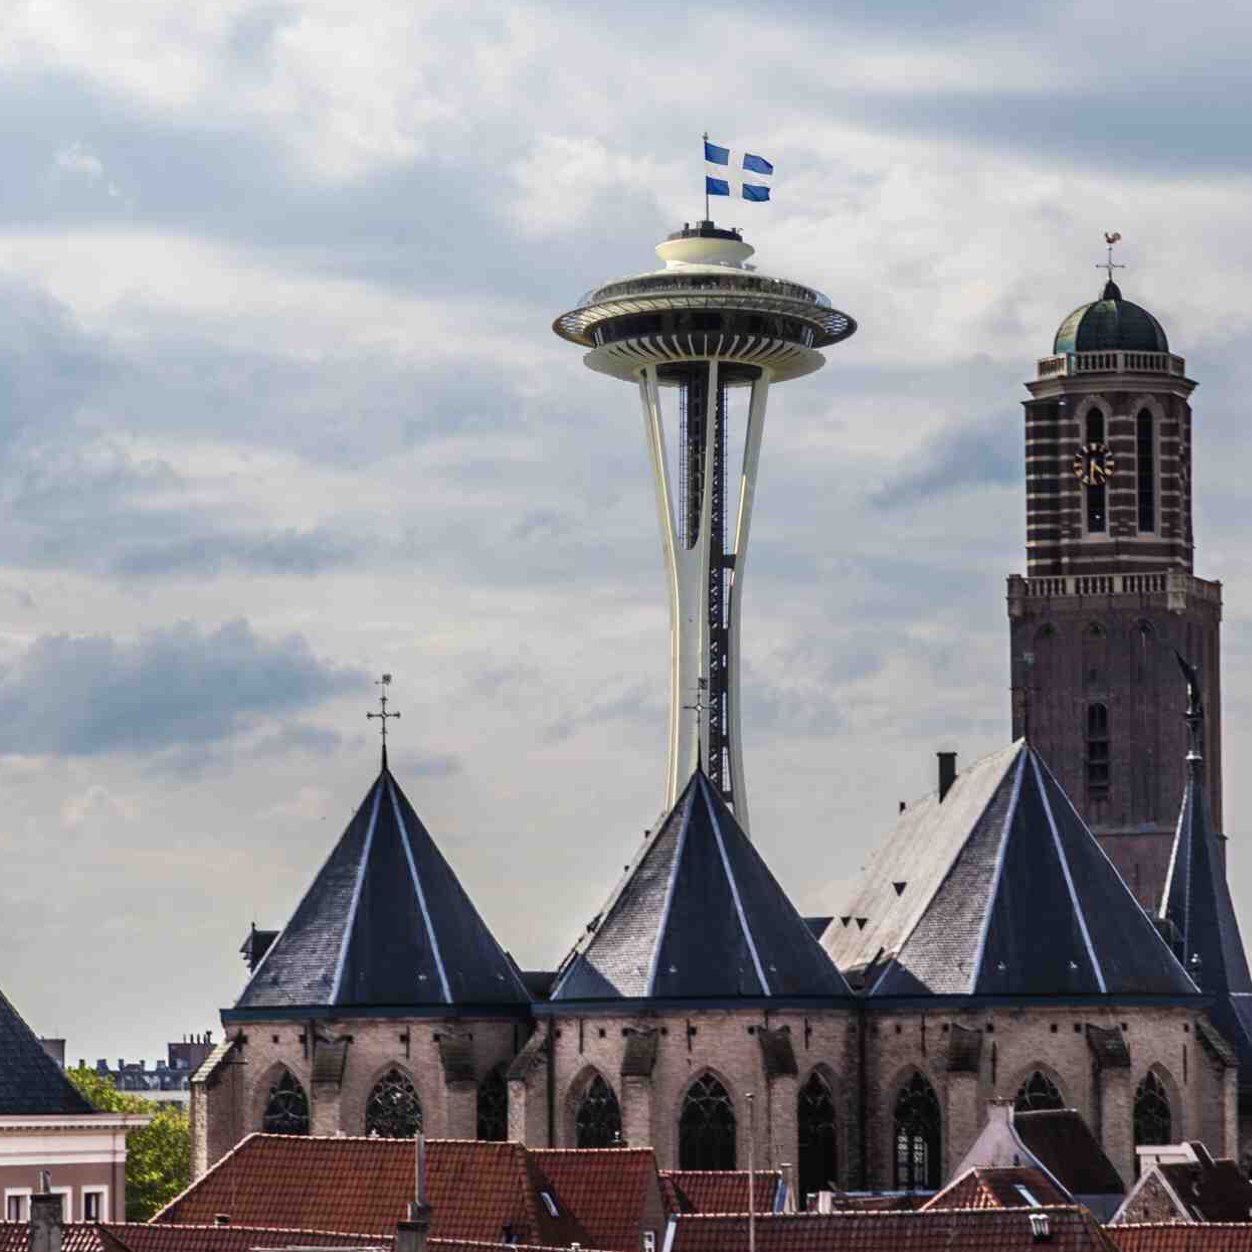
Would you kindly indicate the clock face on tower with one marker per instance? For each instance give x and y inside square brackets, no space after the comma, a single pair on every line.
[1093,464]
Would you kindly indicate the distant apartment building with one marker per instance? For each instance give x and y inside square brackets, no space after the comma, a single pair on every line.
[168,1081]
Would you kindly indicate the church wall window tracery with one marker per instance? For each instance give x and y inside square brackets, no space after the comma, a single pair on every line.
[493,1105]
[917,1136]
[286,1107]
[706,1127]
[1153,1118]
[598,1119]
[393,1110]
[1038,1092]
[818,1131]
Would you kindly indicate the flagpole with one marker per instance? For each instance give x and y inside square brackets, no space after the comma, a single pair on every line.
[706,178]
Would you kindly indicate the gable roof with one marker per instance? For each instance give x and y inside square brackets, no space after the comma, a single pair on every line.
[31,1082]
[999,1187]
[1202,924]
[385,923]
[1070,1229]
[698,915]
[1064,1145]
[719,1190]
[1001,889]
[611,1191]
[141,1237]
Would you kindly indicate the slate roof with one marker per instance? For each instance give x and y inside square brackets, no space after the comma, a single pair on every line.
[1209,1191]
[1110,324]
[719,1190]
[999,1187]
[1202,924]
[1000,889]
[1071,1229]
[1062,1142]
[386,923]
[698,915]
[474,1187]
[31,1082]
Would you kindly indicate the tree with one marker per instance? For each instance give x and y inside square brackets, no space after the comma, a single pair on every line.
[158,1156]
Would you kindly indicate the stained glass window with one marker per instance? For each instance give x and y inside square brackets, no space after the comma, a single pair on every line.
[706,1129]
[1038,1092]
[917,1136]
[393,1110]
[287,1109]
[598,1122]
[819,1153]
[493,1105]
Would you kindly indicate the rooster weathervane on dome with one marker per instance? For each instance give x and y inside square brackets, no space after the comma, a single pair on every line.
[1111,239]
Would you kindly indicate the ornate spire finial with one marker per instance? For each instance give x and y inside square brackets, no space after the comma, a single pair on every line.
[1109,265]
[383,715]
[699,707]
[1194,714]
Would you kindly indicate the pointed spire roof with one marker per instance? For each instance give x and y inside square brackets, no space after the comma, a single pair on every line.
[1197,906]
[1001,889]
[386,923]
[699,916]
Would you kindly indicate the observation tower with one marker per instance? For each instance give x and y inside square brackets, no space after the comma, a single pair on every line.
[703,325]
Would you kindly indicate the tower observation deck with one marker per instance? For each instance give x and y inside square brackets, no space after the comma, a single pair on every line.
[705,323]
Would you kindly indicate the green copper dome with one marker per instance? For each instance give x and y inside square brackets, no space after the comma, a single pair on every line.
[1110,324]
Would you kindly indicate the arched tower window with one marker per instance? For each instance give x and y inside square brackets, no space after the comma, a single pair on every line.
[1038,1092]
[1153,1121]
[917,1136]
[1097,757]
[819,1151]
[493,1105]
[706,1129]
[393,1110]
[1145,469]
[286,1108]
[1096,493]
[598,1122]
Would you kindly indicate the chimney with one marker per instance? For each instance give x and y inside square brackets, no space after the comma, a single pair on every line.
[947,772]
[414,1230]
[45,1217]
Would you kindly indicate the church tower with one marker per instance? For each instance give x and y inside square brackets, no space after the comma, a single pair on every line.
[1109,592]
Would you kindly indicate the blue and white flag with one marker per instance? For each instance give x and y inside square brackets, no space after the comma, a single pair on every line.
[740,174]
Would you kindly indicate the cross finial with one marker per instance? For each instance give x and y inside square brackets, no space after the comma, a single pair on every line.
[383,715]
[1111,240]
[699,708]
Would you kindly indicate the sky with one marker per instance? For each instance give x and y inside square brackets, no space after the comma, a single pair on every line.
[281,409]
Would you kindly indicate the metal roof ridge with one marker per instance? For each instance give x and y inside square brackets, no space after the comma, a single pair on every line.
[355,903]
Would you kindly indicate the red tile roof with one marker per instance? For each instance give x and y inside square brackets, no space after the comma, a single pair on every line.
[610,1190]
[75,1237]
[998,1188]
[475,1188]
[718,1190]
[1072,1229]
[139,1237]
[1175,1237]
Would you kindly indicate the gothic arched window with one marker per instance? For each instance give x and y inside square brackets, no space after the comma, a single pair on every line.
[706,1129]
[1038,1092]
[819,1151]
[1097,758]
[918,1143]
[286,1108]
[1096,492]
[393,1110]
[493,1105]
[598,1121]
[1153,1122]
[1145,469]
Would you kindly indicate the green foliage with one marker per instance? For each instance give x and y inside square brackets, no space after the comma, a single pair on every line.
[158,1156]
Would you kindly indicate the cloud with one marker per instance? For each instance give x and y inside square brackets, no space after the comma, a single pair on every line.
[178,686]
[978,455]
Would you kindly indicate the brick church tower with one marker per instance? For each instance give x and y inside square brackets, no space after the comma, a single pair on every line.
[1109,591]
